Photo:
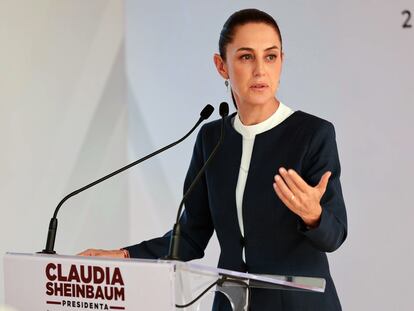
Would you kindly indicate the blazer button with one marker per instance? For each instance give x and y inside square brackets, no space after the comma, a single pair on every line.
[242,242]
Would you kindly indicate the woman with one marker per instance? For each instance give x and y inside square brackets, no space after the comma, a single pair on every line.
[272,194]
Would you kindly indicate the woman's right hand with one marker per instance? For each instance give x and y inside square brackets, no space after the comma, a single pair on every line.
[116,253]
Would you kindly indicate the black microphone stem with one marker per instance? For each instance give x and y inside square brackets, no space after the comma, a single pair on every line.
[176,232]
[201,172]
[125,168]
[51,236]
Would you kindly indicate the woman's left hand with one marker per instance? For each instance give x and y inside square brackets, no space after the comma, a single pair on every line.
[299,197]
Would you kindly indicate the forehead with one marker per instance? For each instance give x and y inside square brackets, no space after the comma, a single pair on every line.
[255,35]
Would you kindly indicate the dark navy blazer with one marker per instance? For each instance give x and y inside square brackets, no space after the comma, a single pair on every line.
[276,240]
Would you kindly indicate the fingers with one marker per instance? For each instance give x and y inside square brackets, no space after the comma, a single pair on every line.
[88,252]
[283,192]
[323,183]
[281,196]
[103,253]
[296,183]
[288,179]
[299,182]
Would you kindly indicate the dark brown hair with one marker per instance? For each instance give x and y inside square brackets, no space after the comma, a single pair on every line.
[241,18]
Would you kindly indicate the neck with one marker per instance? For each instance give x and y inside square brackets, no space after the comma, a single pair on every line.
[254,114]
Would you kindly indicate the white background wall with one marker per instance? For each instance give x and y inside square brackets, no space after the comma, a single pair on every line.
[89,86]
[349,62]
[63,123]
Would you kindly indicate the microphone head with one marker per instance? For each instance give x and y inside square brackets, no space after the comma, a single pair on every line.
[206,112]
[224,109]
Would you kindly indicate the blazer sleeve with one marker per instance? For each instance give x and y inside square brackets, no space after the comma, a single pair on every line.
[195,222]
[322,156]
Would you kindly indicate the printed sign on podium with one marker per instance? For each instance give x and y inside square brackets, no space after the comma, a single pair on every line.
[54,283]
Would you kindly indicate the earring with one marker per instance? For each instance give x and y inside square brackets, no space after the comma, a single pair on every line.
[226,83]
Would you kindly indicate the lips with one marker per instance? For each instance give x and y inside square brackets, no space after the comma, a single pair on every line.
[259,86]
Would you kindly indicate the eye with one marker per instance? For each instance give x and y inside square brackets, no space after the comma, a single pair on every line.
[246,56]
[271,57]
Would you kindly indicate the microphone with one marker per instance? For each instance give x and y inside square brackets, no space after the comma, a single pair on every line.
[176,233]
[51,235]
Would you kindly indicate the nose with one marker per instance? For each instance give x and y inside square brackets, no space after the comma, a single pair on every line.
[259,68]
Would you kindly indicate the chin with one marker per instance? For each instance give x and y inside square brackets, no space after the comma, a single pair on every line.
[261,99]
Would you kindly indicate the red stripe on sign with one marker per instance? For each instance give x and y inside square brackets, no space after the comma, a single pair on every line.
[54,302]
[117,308]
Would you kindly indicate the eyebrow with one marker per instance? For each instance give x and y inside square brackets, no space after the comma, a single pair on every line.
[251,50]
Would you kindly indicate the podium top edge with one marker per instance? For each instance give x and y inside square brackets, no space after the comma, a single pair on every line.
[103,259]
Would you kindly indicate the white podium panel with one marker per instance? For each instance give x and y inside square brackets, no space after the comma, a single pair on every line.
[52,283]
[56,283]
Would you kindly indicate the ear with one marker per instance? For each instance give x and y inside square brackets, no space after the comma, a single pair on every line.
[221,66]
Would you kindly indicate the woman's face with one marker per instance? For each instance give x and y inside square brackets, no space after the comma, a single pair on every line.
[253,64]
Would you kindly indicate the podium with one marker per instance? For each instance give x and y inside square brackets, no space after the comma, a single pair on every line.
[55,282]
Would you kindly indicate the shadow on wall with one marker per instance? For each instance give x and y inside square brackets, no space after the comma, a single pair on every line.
[151,195]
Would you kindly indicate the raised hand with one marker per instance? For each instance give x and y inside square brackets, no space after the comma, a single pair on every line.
[299,197]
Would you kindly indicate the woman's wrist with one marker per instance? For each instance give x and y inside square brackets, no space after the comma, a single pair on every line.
[126,253]
[314,220]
